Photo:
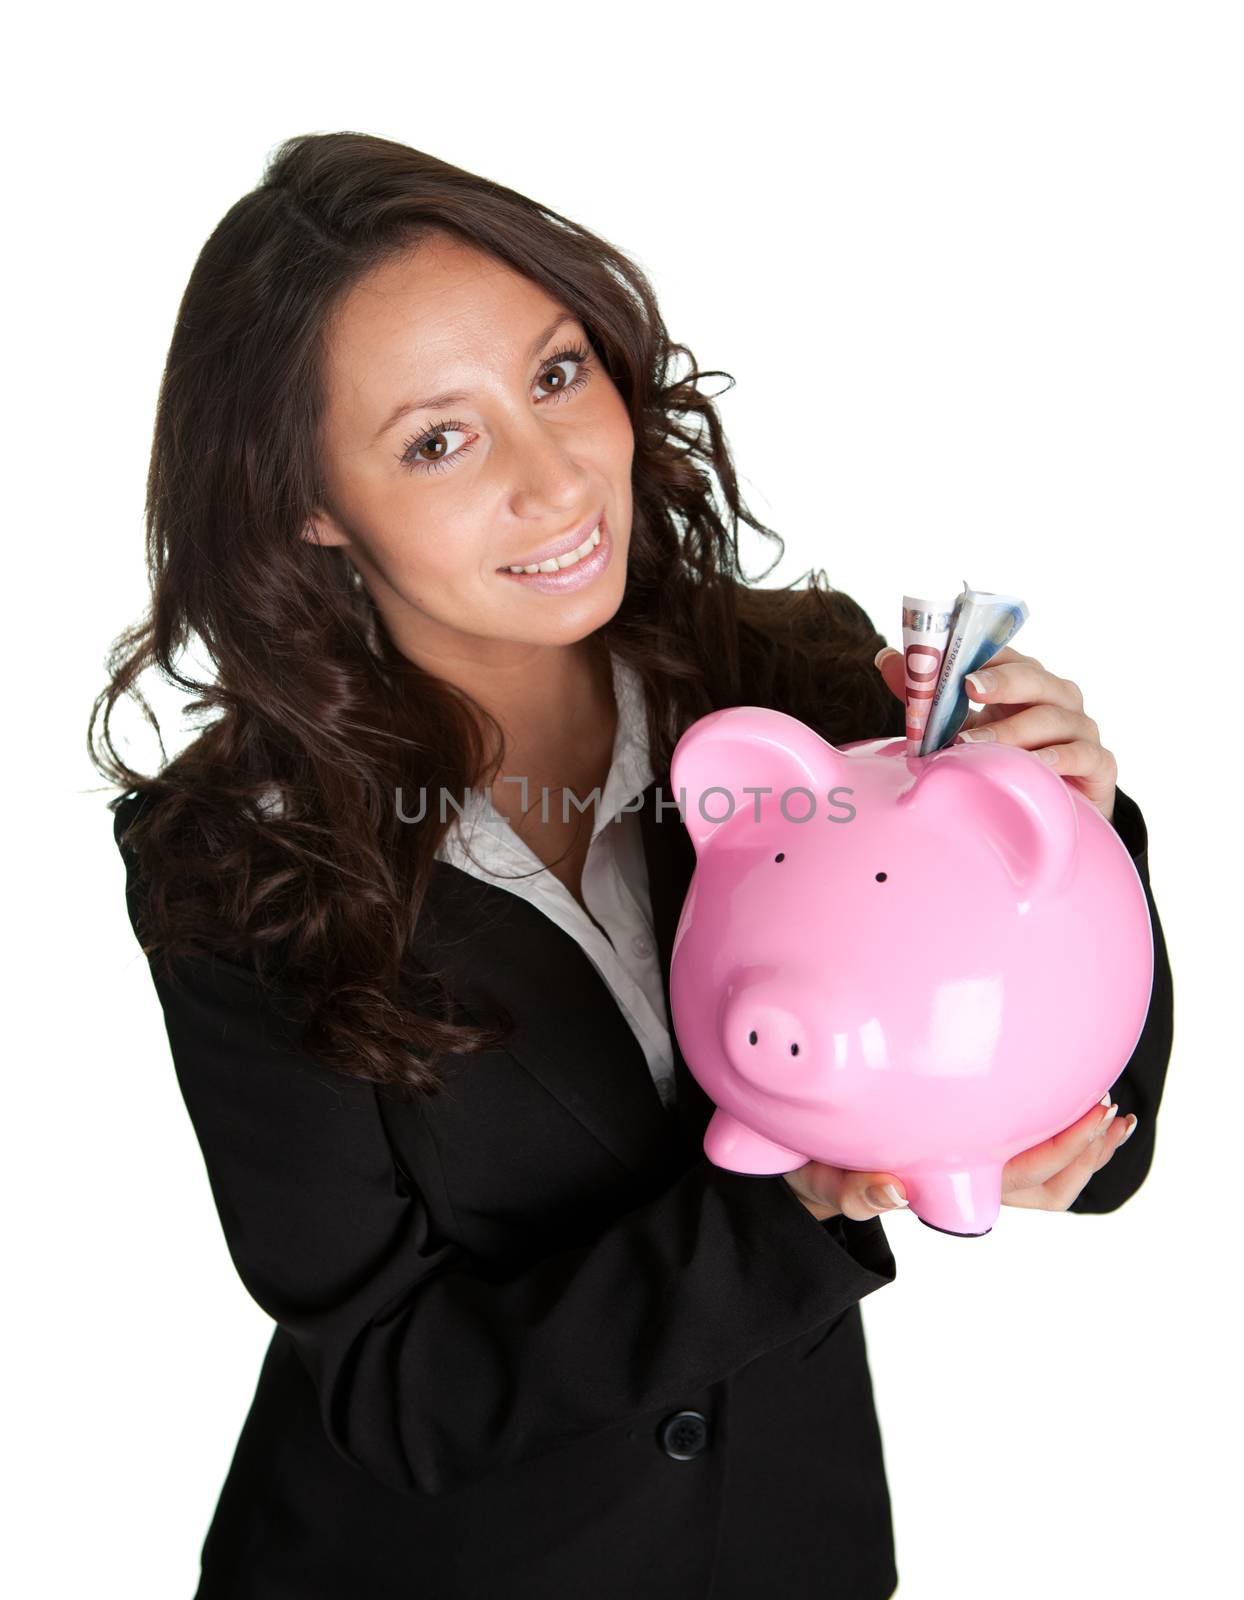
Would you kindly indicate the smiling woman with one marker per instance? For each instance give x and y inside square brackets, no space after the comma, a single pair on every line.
[341,549]
[528,1340]
[537,457]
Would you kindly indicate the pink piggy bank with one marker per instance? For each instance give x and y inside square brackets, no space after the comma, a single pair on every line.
[910,964]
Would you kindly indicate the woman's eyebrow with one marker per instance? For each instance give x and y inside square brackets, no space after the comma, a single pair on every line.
[435,401]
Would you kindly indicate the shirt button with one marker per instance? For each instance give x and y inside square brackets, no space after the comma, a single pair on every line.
[683,1435]
[641,946]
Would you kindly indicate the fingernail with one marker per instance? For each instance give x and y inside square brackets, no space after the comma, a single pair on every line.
[1049,755]
[1104,1101]
[980,682]
[886,650]
[1132,1120]
[1105,1122]
[883,1197]
[975,735]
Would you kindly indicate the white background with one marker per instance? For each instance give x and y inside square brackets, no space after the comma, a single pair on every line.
[977,271]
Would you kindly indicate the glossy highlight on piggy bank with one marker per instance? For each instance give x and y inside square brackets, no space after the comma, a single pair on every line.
[910,964]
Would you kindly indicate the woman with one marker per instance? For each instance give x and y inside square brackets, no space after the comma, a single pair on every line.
[528,1340]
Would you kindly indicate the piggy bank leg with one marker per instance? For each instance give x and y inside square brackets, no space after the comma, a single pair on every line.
[965,1202]
[728,1143]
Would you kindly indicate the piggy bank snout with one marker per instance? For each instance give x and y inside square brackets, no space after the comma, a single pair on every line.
[764,1036]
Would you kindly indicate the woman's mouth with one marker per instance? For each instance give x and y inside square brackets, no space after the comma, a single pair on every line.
[572,570]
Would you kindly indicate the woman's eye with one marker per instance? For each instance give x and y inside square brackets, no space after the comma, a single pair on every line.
[558,362]
[435,438]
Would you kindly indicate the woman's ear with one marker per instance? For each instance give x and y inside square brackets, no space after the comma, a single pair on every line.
[322,529]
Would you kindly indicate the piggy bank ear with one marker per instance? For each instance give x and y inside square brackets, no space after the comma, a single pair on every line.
[1008,797]
[740,747]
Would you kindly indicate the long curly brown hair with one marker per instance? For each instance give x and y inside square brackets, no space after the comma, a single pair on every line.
[311,700]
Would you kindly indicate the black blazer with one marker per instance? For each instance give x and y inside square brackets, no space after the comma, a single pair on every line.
[529,1342]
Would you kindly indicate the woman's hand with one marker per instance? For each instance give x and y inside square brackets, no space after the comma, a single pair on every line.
[1046,1178]
[1051,1175]
[1024,705]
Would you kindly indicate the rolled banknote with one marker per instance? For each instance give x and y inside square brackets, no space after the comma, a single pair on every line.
[926,628]
[980,625]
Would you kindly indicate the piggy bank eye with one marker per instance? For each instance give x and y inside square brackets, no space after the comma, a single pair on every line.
[781,856]
[881,877]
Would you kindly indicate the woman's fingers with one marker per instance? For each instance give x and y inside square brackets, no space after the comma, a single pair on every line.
[1057,1193]
[855,1195]
[892,666]
[868,1194]
[1036,1166]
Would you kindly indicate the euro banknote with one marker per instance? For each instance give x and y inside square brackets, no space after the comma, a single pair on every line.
[942,643]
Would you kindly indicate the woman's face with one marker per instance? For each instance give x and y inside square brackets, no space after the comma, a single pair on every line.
[462,436]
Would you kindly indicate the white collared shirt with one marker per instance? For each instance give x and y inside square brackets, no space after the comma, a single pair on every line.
[614,885]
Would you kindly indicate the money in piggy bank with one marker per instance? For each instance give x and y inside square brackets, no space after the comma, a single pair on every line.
[910,964]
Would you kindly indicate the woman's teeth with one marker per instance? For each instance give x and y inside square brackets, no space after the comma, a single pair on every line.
[556,564]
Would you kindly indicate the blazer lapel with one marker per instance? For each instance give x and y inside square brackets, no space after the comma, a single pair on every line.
[498,951]
[671,863]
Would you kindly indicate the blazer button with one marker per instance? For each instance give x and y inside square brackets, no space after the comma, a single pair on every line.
[641,946]
[683,1435]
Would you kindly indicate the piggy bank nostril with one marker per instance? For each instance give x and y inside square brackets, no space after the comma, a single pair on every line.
[753,1038]
[881,877]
